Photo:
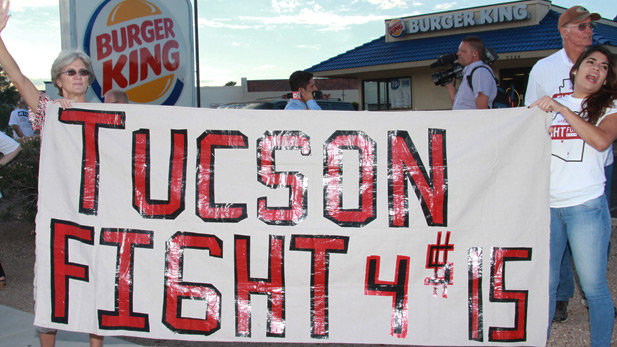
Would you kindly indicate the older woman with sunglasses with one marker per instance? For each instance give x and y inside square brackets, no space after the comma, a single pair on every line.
[72,74]
[584,127]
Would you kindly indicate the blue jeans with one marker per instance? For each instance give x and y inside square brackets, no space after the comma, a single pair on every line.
[608,173]
[565,289]
[587,228]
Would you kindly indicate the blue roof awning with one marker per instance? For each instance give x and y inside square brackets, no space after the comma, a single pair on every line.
[543,36]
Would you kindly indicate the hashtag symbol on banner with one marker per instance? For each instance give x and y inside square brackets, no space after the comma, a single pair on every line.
[437,259]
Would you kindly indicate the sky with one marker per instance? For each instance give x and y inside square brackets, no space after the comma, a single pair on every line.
[256,39]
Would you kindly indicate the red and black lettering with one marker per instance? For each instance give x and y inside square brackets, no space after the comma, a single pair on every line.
[91,121]
[62,270]
[206,207]
[499,293]
[273,286]
[142,195]
[431,188]
[320,247]
[123,316]
[176,289]
[297,209]
[150,61]
[397,289]
[474,298]
[333,179]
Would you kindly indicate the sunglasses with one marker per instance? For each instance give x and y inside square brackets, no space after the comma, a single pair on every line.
[72,72]
[584,26]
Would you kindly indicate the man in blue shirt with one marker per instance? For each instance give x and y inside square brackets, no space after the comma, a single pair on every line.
[302,86]
[470,54]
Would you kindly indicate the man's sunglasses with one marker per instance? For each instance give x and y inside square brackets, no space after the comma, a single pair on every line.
[584,26]
[72,72]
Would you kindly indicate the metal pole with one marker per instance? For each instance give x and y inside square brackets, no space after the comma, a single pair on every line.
[196,16]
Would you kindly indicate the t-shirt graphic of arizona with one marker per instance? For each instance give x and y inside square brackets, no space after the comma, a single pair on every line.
[567,145]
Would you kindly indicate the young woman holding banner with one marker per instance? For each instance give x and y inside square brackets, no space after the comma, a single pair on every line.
[72,74]
[583,129]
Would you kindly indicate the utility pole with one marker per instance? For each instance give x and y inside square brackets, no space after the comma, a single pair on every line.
[196,16]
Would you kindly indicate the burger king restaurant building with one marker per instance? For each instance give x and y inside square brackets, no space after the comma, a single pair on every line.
[394,71]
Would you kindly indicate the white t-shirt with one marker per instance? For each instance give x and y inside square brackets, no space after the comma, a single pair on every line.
[577,169]
[482,80]
[551,76]
[7,144]
[20,117]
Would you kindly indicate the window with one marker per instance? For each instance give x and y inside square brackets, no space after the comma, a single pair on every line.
[387,94]
[514,82]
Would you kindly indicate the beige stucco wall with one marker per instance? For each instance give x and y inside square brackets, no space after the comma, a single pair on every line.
[424,94]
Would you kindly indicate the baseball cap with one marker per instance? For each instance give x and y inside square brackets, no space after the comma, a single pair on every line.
[576,14]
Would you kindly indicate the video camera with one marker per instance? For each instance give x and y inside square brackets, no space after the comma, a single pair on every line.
[456,70]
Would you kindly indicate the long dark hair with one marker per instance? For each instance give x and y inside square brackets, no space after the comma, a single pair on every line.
[596,104]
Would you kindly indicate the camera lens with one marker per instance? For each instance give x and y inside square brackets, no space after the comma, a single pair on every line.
[445,59]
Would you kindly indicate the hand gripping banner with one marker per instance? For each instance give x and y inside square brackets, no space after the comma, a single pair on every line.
[418,228]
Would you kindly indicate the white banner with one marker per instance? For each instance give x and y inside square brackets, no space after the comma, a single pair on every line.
[420,228]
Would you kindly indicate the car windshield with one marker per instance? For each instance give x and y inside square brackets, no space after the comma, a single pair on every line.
[280,104]
[248,105]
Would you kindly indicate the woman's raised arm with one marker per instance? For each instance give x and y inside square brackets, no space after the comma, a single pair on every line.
[26,88]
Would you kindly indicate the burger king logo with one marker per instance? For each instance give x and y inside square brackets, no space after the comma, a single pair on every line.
[396,28]
[136,46]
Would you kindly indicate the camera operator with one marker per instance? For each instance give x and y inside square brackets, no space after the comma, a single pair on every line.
[470,54]
[302,87]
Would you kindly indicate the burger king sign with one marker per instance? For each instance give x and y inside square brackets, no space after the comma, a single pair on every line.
[141,47]
[396,28]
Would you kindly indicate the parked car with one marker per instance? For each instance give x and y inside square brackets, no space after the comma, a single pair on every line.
[279,104]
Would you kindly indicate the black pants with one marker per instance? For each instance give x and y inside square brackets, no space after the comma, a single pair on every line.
[1,271]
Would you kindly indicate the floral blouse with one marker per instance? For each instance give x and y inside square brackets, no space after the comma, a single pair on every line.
[38,118]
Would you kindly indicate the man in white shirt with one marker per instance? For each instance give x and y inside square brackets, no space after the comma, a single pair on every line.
[551,76]
[19,121]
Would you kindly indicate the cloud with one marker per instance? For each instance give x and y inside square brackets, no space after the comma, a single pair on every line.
[23,5]
[445,6]
[221,23]
[265,67]
[388,4]
[289,13]
[314,47]
[210,76]
[284,5]
[316,16]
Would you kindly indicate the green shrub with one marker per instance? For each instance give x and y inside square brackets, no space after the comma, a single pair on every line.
[8,101]
[5,115]
[19,183]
